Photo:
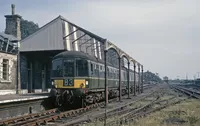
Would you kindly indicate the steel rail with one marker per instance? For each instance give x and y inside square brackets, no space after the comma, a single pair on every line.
[109,113]
[49,115]
[121,109]
[143,111]
[25,117]
[186,91]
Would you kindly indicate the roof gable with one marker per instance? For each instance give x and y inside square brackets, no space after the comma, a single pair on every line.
[48,37]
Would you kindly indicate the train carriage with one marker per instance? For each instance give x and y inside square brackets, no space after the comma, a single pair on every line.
[79,78]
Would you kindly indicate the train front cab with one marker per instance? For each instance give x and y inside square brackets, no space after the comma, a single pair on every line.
[69,79]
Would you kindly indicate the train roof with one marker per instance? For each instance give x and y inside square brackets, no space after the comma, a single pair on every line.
[74,54]
[78,54]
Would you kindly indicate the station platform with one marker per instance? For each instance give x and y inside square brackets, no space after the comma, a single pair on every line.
[22,97]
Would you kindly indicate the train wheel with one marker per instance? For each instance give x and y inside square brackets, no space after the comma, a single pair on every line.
[58,101]
[83,103]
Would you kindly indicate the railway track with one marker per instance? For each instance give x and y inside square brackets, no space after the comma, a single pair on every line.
[101,116]
[143,111]
[26,117]
[52,115]
[49,115]
[189,92]
[46,116]
[123,110]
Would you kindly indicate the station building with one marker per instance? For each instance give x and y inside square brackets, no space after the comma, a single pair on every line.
[58,35]
[8,63]
[37,50]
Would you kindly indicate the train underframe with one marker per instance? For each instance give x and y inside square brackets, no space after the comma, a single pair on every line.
[82,97]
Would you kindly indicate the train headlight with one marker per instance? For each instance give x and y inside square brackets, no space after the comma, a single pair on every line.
[53,84]
[86,83]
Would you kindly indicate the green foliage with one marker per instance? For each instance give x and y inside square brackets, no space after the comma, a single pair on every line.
[28,28]
[149,76]
[192,119]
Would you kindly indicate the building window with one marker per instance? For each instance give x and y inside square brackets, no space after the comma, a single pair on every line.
[5,69]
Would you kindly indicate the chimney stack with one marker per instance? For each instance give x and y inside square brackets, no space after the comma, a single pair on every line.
[13,9]
[13,24]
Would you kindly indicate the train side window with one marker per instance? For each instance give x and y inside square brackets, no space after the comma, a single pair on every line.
[108,72]
[115,74]
[112,74]
[91,67]
[97,67]
[124,75]
[97,70]
[130,76]
[81,67]
[100,67]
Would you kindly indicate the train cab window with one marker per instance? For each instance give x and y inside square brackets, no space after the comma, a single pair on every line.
[57,70]
[81,67]
[68,68]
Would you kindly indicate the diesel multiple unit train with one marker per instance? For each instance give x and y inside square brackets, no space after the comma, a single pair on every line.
[79,78]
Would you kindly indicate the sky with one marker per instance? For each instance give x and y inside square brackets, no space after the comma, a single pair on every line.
[163,35]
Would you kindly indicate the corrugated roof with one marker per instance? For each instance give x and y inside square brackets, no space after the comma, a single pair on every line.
[85,31]
[48,37]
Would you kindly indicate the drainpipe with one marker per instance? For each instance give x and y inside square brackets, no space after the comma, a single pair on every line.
[18,87]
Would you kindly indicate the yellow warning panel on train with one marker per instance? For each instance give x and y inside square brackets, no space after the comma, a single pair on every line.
[58,83]
[79,83]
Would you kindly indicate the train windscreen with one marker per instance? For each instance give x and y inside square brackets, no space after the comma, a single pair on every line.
[57,70]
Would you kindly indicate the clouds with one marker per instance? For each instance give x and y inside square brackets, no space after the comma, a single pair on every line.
[161,34]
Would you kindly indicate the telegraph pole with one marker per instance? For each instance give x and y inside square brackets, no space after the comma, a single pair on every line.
[194,78]
[198,74]
[106,88]
[128,77]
